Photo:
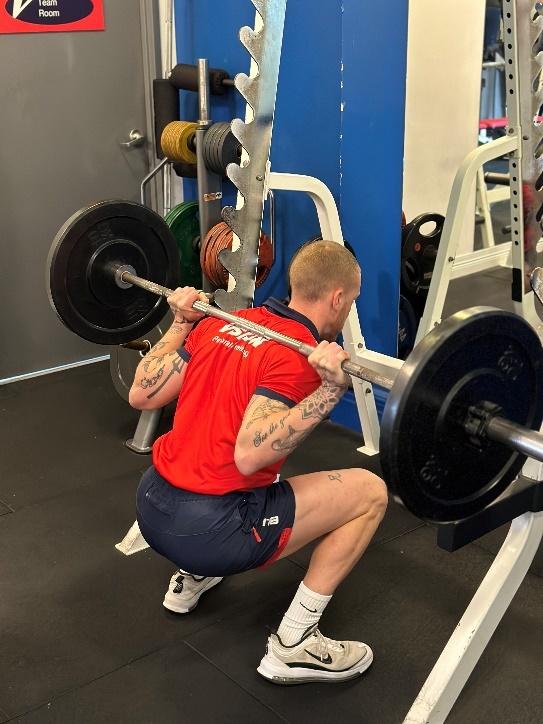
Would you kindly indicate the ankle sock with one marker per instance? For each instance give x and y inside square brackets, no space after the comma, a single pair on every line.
[303,613]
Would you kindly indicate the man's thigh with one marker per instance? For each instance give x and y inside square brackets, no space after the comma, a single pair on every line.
[214,535]
[327,500]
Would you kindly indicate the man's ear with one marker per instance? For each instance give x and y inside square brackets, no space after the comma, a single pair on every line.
[337,299]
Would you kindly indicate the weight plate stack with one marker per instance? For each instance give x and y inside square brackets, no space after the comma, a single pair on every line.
[419,251]
[220,148]
[218,238]
[177,141]
[184,224]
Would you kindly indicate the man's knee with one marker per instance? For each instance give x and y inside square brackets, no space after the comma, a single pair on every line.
[373,493]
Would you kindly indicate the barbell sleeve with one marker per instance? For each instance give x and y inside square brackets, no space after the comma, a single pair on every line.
[519,438]
[351,368]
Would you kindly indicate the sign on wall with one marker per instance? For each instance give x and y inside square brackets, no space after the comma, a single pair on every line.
[48,16]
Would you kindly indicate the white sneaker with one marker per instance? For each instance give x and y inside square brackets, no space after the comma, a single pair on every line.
[314,658]
[185,590]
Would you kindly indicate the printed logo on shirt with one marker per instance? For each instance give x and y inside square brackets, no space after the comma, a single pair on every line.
[242,335]
[274,520]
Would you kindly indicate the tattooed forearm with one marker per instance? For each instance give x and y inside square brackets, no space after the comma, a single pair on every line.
[321,402]
[179,324]
[175,369]
[158,346]
[335,476]
[271,430]
[292,439]
[153,357]
[151,381]
[151,363]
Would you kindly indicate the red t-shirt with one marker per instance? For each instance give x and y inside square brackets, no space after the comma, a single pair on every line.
[226,367]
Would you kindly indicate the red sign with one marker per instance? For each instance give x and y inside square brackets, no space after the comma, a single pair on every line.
[50,16]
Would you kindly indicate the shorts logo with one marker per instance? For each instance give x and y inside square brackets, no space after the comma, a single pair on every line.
[274,520]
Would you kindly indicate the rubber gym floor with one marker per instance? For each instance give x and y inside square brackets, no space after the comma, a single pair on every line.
[84,636]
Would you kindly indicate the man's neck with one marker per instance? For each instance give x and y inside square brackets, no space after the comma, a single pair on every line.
[310,310]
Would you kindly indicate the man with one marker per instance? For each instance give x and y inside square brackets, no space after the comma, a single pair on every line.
[210,502]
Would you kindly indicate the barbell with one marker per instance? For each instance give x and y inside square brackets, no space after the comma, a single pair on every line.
[461,413]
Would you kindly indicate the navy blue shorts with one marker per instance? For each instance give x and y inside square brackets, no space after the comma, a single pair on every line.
[215,535]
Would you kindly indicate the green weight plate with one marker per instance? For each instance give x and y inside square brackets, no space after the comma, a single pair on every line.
[185,226]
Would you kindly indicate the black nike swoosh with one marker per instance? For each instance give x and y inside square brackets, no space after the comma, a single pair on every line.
[311,610]
[326,660]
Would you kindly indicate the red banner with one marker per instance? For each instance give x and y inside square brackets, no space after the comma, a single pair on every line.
[50,16]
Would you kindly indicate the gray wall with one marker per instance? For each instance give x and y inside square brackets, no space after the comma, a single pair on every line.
[66,101]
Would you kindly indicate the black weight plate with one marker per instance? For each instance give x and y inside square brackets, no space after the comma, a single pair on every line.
[428,460]
[222,130]
[229,150]
[220,148]
[209,147]
[82,291]
[408,324]
[216,164]
[419,253]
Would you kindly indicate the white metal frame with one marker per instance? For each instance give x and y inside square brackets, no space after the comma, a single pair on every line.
[484,199]
[459,205]
[513,561]
[480,620]
[482,208]
[330,226]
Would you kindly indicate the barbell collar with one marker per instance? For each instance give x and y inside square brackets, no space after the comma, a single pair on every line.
[351,368]
[143,346]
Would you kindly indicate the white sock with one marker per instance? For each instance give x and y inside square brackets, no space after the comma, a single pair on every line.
[303,613]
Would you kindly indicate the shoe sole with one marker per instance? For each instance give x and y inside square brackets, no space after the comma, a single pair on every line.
[172,605]
[280,674]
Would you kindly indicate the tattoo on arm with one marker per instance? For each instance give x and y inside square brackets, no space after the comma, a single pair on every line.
[315,407]
[260,436]
[292,439]
[262,408]
[319,404]
[335,476]
[177,365]
[178,324]
[151,381]
[158,346]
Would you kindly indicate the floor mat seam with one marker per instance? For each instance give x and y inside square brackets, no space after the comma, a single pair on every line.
[66,692]
[230,678]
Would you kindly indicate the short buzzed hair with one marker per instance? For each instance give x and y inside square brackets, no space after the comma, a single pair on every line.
[319,266]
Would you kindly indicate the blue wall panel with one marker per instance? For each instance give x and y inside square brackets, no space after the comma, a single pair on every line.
[306,126]
[374,51]
[348,55]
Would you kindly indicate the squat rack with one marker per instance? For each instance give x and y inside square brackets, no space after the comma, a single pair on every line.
[523,41]
[523,30]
